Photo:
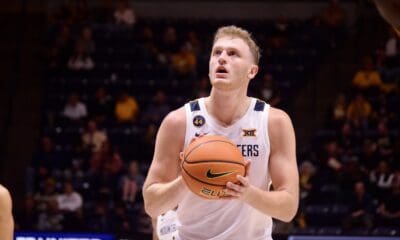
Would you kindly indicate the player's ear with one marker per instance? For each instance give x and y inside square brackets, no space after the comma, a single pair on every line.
[253,71]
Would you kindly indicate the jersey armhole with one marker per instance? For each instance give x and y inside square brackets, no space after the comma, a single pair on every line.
[267,143]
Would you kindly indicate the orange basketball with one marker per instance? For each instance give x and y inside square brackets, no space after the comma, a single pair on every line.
[208,163]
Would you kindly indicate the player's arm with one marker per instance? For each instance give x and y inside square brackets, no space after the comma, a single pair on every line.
[154,225]
[390,11]
[282,202]
[164,187]
[6,218]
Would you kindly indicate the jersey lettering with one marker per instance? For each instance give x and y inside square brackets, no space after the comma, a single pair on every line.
[249,150]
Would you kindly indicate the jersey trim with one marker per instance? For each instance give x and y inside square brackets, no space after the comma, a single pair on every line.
[259,106]
[194,106]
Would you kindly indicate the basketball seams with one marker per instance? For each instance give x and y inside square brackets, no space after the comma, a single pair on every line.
[209,141]
[213,161]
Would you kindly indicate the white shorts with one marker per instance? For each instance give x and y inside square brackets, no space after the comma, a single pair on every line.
[167,226]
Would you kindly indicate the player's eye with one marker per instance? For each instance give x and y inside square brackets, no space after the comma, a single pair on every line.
[232,53]
[217,52]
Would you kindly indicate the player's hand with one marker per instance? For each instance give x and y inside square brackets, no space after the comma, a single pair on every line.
[242,188]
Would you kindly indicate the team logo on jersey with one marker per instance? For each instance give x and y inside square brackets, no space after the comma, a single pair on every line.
[249,132]
[199,134]
[198,121]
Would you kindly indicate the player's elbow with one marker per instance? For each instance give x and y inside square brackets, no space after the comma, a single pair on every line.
[290,213]
[288,209]
[288,217]
[149,207]
[151,211]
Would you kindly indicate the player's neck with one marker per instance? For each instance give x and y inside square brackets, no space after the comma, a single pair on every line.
[227,107]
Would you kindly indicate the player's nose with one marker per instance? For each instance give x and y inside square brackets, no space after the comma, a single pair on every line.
[222,58]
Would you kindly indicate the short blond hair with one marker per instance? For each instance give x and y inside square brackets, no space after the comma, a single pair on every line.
[234,31]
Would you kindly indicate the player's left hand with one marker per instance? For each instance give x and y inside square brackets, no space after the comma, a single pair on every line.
[241,189]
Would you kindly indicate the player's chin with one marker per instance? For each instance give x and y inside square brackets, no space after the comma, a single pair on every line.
[221,84]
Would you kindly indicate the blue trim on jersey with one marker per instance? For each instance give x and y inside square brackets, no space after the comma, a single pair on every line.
[194,106]
[259,106]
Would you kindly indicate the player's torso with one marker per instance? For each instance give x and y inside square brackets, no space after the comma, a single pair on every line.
[226,218]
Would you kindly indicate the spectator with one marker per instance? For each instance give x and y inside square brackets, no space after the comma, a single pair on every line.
[101,107]
[74,109]
[124,14]
[63,47]
[70,200]
[92,138]
[384,141]
[347,139]
[46,194]
[369,155]
[193,39]
[331,164]
[184,62]
[307,178]
[81,59]
[389,58]
[202,88]
[132,182]
[279,36]
[26,219]
[148,141]
[106,160]
[359,110]
[85,41]
[334,18]
[168,45]
[126,108]
[157,109]
[367,77]
[360,209]
[98,220]
[392,48]
[382,179]
[70,204]
[148,42]
[389,207]
[121,223]
[51,219]
[74,12]
[334,15]
[339,109]
[143,224]
[47,160]
[269,91]
[76,174]
[382,109]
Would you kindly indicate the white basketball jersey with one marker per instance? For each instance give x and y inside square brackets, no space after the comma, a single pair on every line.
[228,219]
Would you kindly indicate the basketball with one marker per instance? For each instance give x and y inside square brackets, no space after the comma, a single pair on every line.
[208,163]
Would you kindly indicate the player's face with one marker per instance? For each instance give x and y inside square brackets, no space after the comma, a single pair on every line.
[231,64]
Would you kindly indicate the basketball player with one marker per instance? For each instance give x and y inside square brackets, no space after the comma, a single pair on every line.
[6,219]
[390,11]
[264,135]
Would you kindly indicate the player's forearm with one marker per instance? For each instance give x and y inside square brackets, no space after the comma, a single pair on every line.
[161,197]
[6,228]
[281,204]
